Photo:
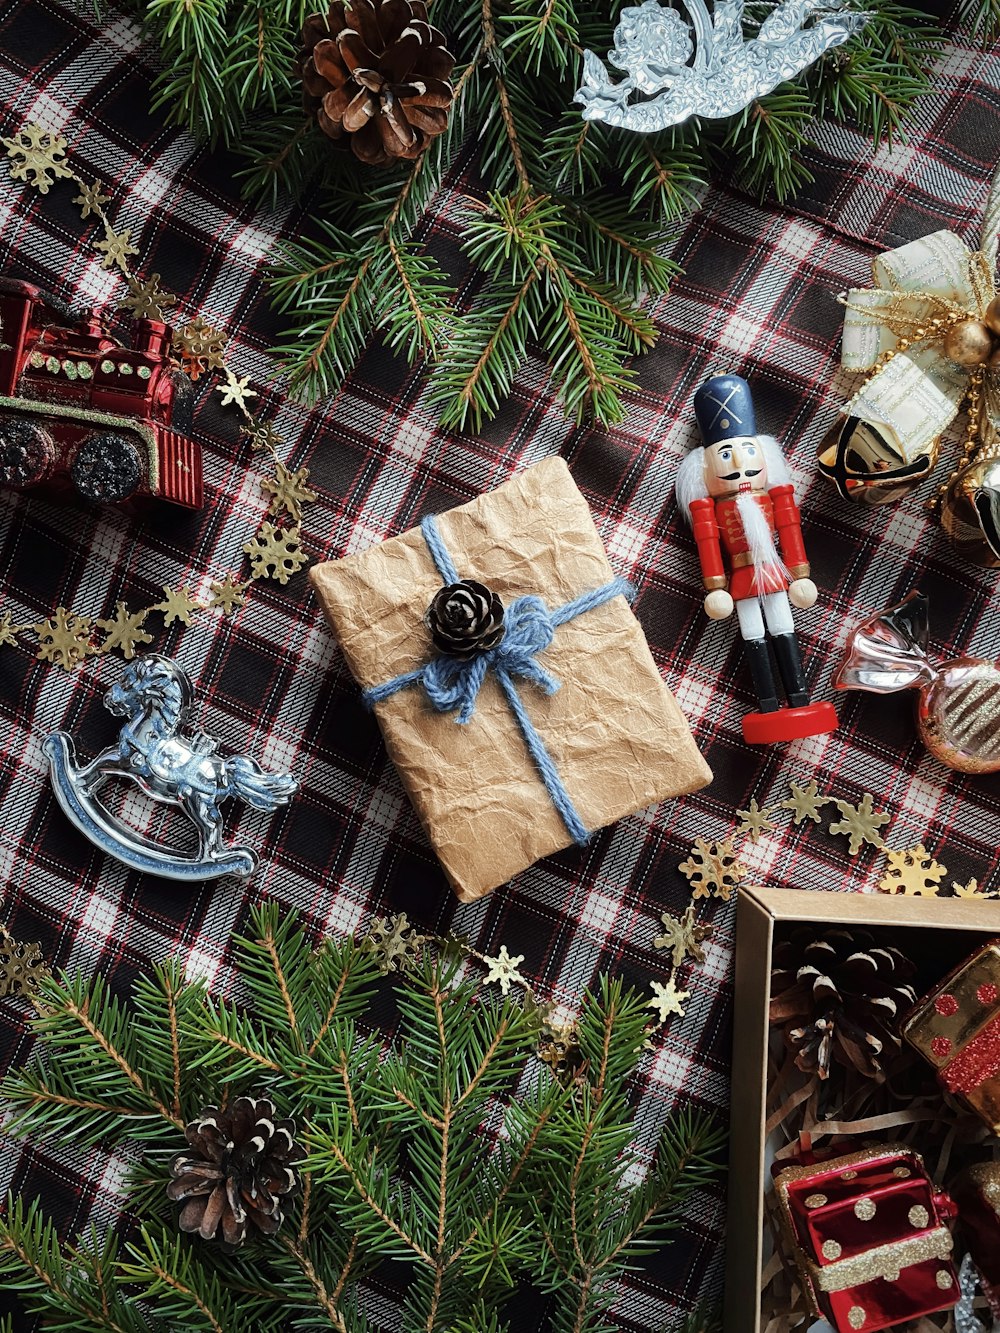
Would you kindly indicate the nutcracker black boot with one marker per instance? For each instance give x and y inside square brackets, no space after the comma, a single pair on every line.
[793,677]
[759,660]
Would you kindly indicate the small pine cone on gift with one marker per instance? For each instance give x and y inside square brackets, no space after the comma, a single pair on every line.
[376,73]
[465,618]
[839,995]
[242,1165]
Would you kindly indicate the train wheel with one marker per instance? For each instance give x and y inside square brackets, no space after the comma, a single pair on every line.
[26,452]
[106,468]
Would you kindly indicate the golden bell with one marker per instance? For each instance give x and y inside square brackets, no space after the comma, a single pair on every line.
[991,315]
[970,512]
[969,343]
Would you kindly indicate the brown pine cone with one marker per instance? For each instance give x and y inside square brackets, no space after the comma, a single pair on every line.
[377,73]
[465,618]
[241,1166]
[838,995]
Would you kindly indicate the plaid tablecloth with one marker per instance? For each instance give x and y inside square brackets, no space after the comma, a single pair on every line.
[756,297]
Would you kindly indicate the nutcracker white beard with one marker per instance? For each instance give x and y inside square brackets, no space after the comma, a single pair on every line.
[760,539]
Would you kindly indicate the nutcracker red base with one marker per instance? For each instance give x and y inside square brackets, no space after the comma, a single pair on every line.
[789,724]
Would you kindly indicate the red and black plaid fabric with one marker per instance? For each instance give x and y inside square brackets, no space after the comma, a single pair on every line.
[757,298]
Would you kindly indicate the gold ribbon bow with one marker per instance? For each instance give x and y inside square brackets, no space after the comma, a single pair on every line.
[928,339]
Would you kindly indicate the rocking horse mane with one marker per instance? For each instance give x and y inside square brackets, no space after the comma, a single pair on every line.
[154,681]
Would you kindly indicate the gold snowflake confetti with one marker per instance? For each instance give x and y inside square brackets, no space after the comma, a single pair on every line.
[8,631]
[22,966]
[275,554]
[912,871]
[124,630]
[667,1000]
[973,889]
[37,157]
[179,605]
[755,821]
[861,823]
[235,390]
[394,943]
[91,200]
[503,969]
[148,300]
[64,639]
[228,594]
[200,347]
[682,937]
[261,435]
[712,868]
[288,490]
[117,248]
[559,1048]
[804,802]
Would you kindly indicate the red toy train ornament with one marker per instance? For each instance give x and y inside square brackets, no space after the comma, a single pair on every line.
[80,413]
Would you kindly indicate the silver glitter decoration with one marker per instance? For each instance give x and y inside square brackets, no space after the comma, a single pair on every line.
[664,85]
[966,1321]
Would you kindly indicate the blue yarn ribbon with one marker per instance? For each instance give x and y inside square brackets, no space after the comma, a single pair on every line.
[452,685]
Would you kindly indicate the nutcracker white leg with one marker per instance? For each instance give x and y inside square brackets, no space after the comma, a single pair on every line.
[778,614]
[758,655]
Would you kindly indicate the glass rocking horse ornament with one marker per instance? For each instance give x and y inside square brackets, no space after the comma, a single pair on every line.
[737,495]
[155,697]
[664,86]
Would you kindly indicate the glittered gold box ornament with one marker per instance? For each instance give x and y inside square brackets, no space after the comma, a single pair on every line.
[957,1028]
[868,1234]
[504,615]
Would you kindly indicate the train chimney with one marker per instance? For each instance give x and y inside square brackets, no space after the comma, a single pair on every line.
[151,336]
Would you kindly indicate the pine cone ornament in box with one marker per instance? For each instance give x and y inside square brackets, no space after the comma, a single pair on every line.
[241,1167]
[465,618]
[838,996]
[377,73]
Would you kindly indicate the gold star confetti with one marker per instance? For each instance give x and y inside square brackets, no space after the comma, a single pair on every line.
[148,300]
[236,390]
[275,554]
[667,1000]
[91,200]
[503,969]
[117,248]
[261,435]
[912,871]
[804,802]
[8,631]
[755,821]
[861,823]
[177,604]
[37,157]
[200,347]
[64,639]
[124,630]
[712,868]
[682,937]
[288,490]
[229,595]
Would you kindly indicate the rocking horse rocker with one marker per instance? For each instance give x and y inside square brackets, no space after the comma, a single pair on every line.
[155,696]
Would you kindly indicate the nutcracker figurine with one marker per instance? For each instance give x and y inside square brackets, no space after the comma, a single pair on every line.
[738,497]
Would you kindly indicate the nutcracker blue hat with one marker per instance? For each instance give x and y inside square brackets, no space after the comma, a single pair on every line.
[724,409]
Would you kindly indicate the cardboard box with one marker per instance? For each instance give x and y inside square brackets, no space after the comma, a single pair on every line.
[916,924]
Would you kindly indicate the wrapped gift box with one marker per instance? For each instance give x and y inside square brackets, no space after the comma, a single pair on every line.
[869,1236]
[942,928]
[957,1028]
[613,730]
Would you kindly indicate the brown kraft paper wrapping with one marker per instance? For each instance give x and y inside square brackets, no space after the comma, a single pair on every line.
[615,732]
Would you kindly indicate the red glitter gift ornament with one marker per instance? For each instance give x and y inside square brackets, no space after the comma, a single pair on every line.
[957,1028]
[867,1233]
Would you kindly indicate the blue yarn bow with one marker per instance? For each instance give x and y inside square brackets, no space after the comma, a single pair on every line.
[453,684]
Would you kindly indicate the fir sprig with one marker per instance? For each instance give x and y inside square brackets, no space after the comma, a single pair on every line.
[557,185]
[450,1152]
